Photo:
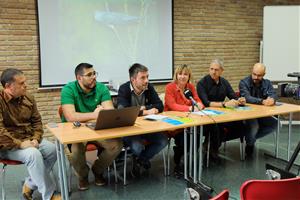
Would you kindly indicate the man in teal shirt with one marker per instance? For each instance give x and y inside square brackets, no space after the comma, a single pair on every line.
[81,101]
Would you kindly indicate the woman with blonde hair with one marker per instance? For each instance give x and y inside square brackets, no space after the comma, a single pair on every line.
[175,100]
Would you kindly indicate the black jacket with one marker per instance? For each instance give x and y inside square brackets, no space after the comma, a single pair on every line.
[151,97]
[247,90]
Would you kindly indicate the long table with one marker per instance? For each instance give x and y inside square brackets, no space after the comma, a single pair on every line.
[255,111]
[65,133]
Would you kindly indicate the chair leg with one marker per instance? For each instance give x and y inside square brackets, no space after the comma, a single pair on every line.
[115,171]
[165,164]
[70,178]
[208,150]
[108,174]
[3,182]
[242,149]
[125,167]
[168,157]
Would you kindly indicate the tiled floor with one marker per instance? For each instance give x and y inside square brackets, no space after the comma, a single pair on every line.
[231,173]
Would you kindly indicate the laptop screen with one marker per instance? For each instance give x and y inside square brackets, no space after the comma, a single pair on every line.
[115,118]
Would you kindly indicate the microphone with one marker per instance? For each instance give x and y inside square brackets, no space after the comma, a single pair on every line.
[189,95]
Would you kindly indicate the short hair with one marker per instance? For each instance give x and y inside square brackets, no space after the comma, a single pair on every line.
[183,68]
[136,68]
[8,75]
[79,69]
[219,62]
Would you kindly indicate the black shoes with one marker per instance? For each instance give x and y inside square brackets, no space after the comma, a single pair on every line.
[83,184]
[138,164]
[146,164]
[249,151]
[99,180]
[179,171]
[178,153]
[27,192]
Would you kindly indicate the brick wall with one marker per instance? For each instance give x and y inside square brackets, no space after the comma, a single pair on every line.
[203,30]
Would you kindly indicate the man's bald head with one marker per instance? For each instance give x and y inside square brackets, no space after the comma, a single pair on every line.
[258,72]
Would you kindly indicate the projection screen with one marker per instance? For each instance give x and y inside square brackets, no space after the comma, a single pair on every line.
[109,34]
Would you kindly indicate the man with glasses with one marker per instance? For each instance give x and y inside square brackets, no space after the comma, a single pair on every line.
[258,90]
[81,101]
[139,92]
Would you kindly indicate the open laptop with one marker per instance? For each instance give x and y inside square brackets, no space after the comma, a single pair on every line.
[115,118]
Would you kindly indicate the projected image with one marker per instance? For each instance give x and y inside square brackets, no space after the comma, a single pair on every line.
[116,22]
[111,35]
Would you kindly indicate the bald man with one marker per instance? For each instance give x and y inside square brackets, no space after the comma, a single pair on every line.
[258,90]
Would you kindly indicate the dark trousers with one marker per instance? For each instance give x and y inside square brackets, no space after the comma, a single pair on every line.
[222,132]
[179,145]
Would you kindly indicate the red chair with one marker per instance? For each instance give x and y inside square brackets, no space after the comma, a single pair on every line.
[6,162]
[224,195]
[283,189]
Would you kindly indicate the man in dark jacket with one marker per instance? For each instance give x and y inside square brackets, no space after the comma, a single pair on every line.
[213,89]
[258,90]
[139,92]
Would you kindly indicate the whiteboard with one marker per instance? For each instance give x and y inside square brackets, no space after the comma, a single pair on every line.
[281,43]
[110,35]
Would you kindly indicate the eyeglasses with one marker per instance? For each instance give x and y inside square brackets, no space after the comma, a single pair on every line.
[91,74]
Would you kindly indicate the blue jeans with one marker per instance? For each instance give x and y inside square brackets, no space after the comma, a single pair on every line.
[156,142]
[260,127]
[39,163]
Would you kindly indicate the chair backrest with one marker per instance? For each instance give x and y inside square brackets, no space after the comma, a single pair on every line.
[224,195]
[271,189]
[60,111]
[162,97]
[10,162]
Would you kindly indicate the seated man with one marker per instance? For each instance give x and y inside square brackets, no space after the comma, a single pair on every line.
[212,90]
[138,92]
[21,132]
[81,101]
[258,90]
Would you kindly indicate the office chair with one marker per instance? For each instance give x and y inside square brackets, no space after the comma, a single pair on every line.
[231,135]
[224,195]
[126,151]
[281,189]
[6,162]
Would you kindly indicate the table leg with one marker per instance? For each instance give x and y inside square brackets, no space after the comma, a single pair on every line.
[200,154]
[195,154]
[185,154]
[277,138]
[62,170]
[190,153]
[289,136]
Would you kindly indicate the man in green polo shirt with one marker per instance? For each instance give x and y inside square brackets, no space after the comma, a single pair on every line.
[81,101]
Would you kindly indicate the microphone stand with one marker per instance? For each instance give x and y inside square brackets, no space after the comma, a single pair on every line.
[203,190]
[193,106]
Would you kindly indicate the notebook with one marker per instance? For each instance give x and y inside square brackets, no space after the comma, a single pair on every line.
[115,118]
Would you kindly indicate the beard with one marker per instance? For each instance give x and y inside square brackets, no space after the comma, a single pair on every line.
[90,85]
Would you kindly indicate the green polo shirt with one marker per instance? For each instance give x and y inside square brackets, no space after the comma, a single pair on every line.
[84,102]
